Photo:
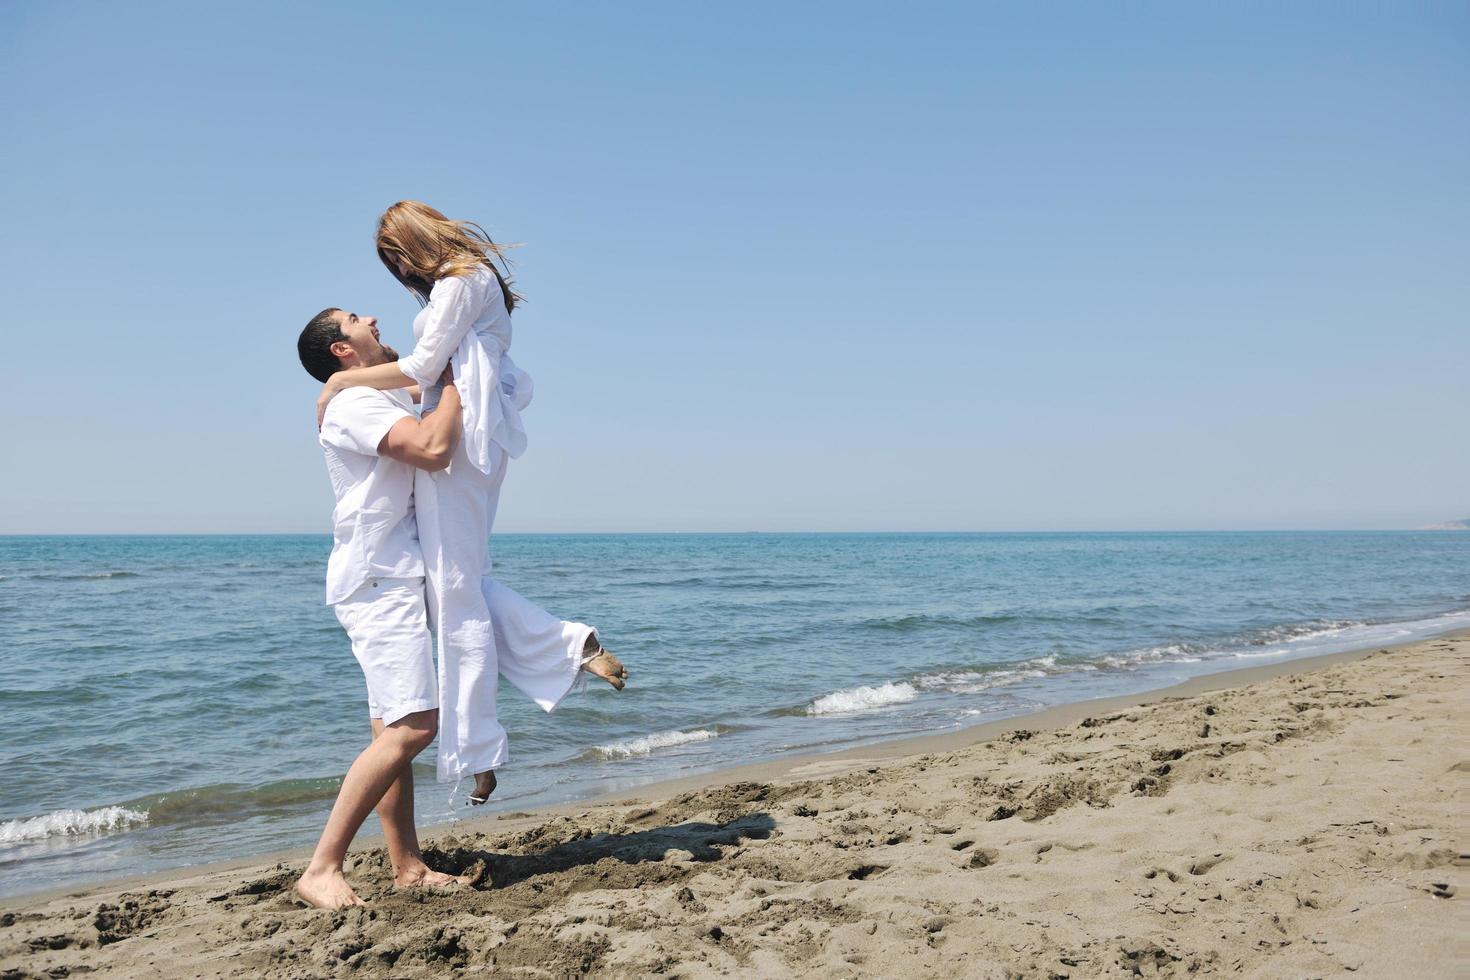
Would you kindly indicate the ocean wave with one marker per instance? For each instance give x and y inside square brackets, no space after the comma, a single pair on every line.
[729,582]
[1241,644]
[231,801]
[71,823]
[862,699]
[1282,638]
[919,621]
[83,576]
[646,744]
[973,681]
[52,697]
[1278,640]
[1296,632]
[1344,634]
[1164,653]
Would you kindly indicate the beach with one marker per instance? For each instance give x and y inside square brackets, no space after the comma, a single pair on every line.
[1301,819]
[944,490]
[157,740]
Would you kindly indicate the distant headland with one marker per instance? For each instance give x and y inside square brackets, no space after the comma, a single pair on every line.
[1448,526]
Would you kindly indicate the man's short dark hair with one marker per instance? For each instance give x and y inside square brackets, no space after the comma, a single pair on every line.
[315,345]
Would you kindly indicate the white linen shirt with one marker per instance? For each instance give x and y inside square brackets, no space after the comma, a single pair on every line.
[374,534]
[465,323]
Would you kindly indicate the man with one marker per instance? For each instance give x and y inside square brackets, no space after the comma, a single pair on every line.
[375,583]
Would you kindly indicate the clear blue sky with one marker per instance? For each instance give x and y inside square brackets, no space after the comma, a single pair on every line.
[824,267]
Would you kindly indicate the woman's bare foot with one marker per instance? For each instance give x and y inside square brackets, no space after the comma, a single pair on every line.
[422,877]
[326,890]
[598,660]
[484,786]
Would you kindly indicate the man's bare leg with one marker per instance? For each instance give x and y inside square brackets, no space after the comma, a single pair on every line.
[376,769]
[395,812]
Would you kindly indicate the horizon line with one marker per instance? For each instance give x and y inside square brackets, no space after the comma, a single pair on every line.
[328,534]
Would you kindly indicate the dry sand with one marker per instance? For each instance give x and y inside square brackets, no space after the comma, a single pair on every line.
[1310,824]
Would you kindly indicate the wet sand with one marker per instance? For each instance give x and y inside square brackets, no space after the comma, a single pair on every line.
[1305,819]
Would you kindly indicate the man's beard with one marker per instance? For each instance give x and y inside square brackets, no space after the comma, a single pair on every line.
[389,354]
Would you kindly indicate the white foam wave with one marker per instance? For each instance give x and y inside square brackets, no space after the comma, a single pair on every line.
[975,681]
[71,823]
[1292,640]
[1329,637]
[1299,632]
[648,743]
[1169,653]
[862,699]
[1288,640]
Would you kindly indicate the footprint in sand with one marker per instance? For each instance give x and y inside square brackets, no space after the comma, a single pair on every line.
[1204,865]
[865,871]
[982,857]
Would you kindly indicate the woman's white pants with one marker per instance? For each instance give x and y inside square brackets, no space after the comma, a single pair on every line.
[483,629]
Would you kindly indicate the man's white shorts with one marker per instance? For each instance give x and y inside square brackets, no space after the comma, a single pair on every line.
[389,629]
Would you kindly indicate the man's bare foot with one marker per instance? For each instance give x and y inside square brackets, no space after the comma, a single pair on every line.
[598,660]
[326,890]
[484,786]
[422,877]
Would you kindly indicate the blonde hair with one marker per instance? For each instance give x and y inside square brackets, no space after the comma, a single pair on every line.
[435,247]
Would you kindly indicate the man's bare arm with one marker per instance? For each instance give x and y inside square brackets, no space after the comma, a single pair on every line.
[427,443]
[384,377]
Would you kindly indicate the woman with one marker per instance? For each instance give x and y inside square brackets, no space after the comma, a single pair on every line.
[483,628]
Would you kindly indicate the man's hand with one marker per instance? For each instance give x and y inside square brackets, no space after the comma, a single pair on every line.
[330,390]
[447,378]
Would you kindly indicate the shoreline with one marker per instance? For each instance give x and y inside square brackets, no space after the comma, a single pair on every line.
[1296,819]
[798,765]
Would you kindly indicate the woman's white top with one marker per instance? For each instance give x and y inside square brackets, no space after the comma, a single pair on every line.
[465,323]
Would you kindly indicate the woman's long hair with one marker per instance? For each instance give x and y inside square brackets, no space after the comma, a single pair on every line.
[435,247]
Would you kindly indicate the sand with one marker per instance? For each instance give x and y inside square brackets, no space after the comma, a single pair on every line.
[1307,824]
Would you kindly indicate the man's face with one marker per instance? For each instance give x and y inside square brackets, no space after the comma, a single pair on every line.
[362,347]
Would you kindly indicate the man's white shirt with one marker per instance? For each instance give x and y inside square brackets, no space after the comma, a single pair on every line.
[373,528]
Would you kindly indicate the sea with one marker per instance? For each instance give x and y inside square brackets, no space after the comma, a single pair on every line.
[169,701]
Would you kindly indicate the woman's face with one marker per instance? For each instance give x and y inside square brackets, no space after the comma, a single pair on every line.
[399,263]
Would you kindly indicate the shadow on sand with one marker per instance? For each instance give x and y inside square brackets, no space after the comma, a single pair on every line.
[701,840]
